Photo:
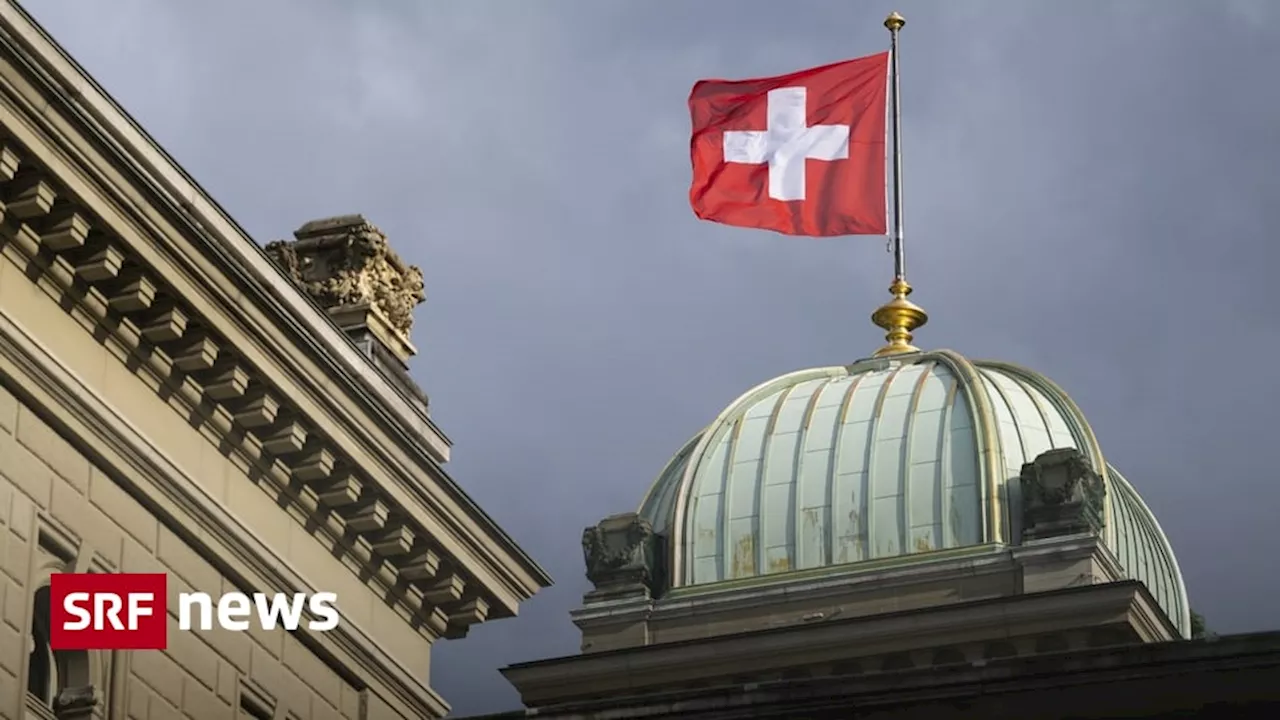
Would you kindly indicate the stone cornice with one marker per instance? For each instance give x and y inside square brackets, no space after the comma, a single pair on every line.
[184,505]
[1150,620]
[86,215]
[1113,670]
[613,611]
[1080,546]
[776,592]
[652,665]
[830,582]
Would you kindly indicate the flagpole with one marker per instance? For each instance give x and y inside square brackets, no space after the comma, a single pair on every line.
[894,23]
[899,317]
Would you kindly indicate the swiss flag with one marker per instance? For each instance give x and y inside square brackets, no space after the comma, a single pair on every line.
[799,154]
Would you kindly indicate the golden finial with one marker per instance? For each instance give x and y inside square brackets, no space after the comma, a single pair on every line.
[899,317]
[894,21]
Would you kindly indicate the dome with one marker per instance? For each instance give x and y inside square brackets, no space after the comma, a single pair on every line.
[886,458]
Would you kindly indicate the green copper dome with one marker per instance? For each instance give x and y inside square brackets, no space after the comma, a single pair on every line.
[885,458]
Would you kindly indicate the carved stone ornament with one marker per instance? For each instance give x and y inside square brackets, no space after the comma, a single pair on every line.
[76,702]
[1061,495]
[346,261]
[620,554]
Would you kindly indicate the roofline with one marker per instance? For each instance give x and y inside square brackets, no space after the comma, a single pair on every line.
[231,247]
[1118,586]
[1048,670]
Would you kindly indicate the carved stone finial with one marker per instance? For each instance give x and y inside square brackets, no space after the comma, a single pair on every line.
[346,262]
[621,556]
[1061,495]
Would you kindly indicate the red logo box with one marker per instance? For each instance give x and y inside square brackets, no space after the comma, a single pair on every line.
[108,611]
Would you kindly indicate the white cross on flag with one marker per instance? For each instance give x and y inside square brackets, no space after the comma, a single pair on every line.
[800,154]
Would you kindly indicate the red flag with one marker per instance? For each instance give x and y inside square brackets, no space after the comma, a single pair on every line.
[799,154]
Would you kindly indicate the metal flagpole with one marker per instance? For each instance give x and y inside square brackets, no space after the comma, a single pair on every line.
[899,316]
[895,22]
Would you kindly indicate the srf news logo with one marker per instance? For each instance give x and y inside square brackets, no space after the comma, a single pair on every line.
[129,611]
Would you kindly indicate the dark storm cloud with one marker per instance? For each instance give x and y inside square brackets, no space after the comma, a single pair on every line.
[1091,191]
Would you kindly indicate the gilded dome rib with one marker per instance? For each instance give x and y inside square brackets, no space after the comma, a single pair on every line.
[1014,452]
[911,532]
[875,547]
[1078,425]
[764,518]
[854,537]
[952,521]
[1037,402]
[989,455]
[658,503]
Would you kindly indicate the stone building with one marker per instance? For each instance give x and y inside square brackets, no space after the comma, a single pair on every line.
[172,400]
[914,534]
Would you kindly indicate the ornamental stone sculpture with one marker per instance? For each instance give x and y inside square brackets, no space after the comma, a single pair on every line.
[346,264]
[1061,495]
[621,556]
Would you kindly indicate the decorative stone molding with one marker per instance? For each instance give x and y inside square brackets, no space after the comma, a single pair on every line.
[869,641]
[621,557]
[1061,495]
[164,340]
[347,266]
[77,702]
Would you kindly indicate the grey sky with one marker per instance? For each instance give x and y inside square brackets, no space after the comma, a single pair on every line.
[1091,190]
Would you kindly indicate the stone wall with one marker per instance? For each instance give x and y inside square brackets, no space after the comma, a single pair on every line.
[58,511]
